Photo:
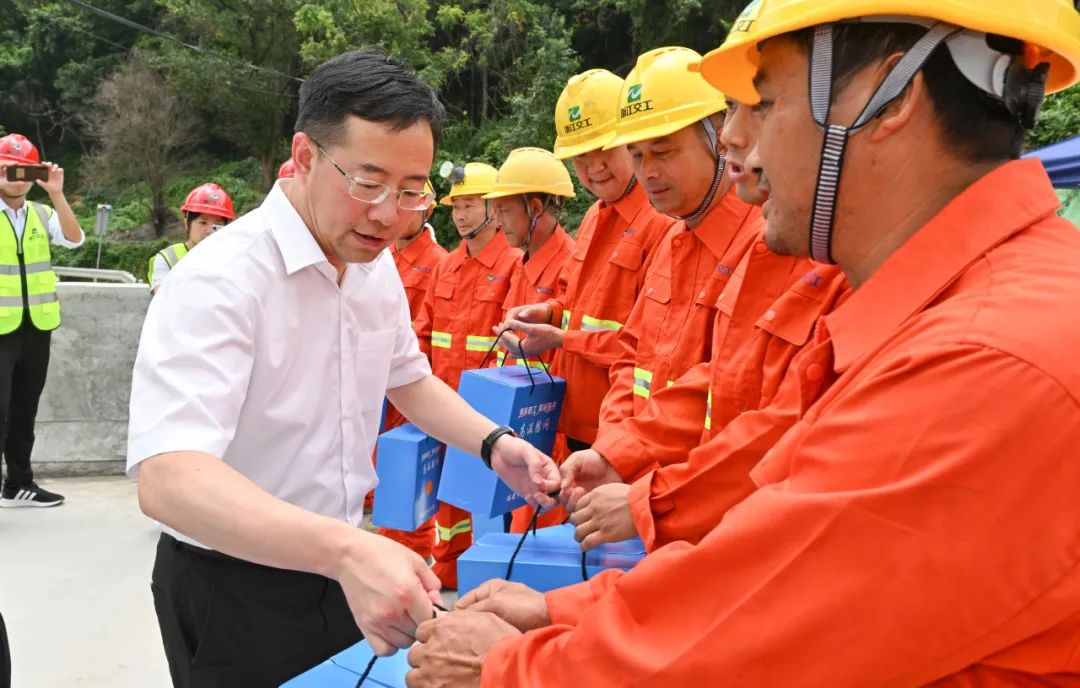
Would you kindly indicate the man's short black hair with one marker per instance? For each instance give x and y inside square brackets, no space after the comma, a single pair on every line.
[371,85]
[974,124]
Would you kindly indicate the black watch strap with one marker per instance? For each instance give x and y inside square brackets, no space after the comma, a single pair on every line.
[489,442]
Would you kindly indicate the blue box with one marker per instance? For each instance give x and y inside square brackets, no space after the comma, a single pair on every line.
[325,675]
[506,396]
[387,671]
[409,467]
[549,559]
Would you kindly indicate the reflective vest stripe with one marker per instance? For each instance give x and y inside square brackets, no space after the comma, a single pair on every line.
[442,340]
[566,320]
[642,382]
[40,266]
[591,324]
[448,534]
[708,411]
[477,343]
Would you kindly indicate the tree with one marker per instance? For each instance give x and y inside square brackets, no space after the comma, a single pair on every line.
[144,132]
[1060,119]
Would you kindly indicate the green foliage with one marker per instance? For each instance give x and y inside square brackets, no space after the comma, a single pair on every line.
[1060,119]
[131,256]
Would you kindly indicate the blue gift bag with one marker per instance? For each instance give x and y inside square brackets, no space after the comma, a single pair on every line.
[508,396]
[548,559]
[409,467]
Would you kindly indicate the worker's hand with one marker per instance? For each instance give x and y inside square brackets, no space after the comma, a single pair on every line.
[516,604]
[526,470]
[538,313]
[538,339]
[583,472]
[452,649]
[508,341]
[55,185]
[390,590]
[603,516]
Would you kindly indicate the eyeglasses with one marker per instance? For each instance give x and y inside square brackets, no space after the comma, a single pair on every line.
[367,191]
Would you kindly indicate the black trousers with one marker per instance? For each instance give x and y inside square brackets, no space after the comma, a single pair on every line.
[231,623]
[5,656]
[24,363]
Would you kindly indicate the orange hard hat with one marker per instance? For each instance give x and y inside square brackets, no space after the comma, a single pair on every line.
[17,148]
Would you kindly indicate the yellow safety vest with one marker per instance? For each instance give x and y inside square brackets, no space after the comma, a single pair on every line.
[27,280]
[171,254]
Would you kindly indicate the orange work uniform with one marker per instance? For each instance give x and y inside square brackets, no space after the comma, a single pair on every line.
[416,266]
[601,282]
[916,526]
[670,329]
[681,417]
[536,280]
[454,328]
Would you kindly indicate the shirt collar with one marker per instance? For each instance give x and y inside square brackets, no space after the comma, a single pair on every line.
[295,241]
[630,205]
[7,208]
[722,223]
[417,248]
[557,245]
[1001,204]
[493,250]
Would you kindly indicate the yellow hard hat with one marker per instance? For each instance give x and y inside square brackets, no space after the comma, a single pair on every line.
[532,170]
[1050,30]
[661,96]
[585,113]
[474,179]
[428,188]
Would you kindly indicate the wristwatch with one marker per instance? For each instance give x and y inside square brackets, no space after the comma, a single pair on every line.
[489,442]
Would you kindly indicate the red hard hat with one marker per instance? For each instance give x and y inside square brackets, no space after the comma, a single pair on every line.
[287,169]
[17,148]
[210,199]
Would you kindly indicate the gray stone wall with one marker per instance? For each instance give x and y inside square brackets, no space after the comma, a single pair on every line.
[82,421]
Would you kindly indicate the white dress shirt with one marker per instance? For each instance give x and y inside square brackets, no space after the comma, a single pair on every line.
[17,218]
[252,353]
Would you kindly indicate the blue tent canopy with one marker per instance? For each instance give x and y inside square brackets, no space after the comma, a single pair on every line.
[1062,162]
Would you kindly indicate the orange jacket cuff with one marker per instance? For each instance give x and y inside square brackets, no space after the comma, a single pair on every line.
[641,510]
[624,452]
[567,605]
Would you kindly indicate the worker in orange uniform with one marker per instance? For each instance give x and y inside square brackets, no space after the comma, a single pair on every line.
[531,186]
[603,277]
[415,254]
[529,189]
[670,121]
[917,526]
[468,289]
[658,477]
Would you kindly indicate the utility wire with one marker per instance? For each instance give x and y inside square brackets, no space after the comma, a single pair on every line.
[154,32]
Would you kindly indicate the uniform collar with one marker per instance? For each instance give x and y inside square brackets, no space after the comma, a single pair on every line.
[416,249]
[722,223]
[994,208]
[630,206]
[295,241]
[558,244]
[487,257]
[5,207]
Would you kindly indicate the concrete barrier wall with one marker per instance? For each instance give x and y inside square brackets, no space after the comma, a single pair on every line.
[82,421]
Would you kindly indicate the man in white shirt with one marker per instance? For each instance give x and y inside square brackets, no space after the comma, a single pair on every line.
[257,394]
[29,310]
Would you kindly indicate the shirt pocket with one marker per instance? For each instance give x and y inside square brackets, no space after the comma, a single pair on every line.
[628,256]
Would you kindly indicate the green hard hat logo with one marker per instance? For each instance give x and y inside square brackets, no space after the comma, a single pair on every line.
[575,113]
[633,95]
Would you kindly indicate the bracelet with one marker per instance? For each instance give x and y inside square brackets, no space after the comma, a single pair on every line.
[489,442]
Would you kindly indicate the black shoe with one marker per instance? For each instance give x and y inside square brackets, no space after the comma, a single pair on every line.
[28,495]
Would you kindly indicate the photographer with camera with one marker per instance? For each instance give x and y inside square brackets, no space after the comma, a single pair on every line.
[207,209]
[29,306]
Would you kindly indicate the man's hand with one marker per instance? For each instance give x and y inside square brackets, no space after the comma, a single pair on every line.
[604,516]
[55,185]
[525,469]
[539,337]
[538,313]
[452,649]
[390,590]
[583,472]
[516,604]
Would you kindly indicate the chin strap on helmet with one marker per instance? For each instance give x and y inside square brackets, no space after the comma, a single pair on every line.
[718,175]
